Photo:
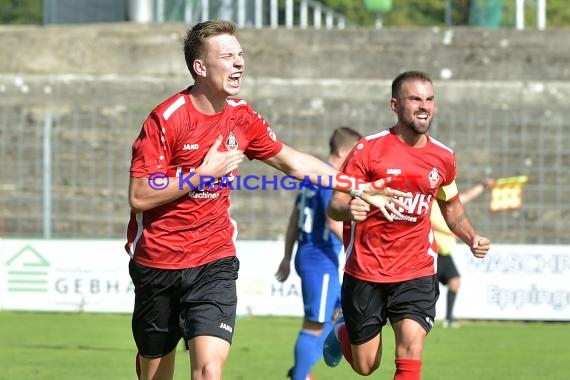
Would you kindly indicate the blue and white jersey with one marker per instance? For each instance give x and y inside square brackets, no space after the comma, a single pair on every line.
[317,246]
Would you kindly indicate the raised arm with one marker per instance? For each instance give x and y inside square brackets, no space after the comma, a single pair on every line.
[474,192]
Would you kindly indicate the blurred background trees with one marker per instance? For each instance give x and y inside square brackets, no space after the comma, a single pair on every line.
[432,12]
[21,11]
[401,13]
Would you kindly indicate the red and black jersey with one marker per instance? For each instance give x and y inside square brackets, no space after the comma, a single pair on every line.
[382,251]
[194,229]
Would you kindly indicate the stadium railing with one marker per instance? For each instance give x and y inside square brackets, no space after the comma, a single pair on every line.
[246,13]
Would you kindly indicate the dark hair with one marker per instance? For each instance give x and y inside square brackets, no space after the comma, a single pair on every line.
[195,37]
[405,76]
[343,137]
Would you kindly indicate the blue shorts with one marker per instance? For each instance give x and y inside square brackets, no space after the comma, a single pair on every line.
[321,295]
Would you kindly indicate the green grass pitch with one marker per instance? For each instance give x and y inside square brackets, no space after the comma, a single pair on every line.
[47,346]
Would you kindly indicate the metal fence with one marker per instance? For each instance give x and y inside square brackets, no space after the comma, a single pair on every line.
[65,174]
[314,14]
[284,13]
[246,13]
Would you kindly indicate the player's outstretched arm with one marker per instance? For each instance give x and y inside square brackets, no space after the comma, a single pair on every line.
[305,166]
[475,191]
[356,205]
[389,201]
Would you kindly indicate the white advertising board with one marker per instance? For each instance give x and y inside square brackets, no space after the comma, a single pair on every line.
[517,282]
[65,275]
[92,276]
[259,293]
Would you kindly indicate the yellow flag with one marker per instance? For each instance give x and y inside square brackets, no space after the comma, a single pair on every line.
[507,193]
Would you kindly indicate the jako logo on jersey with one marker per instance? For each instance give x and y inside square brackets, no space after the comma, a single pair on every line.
[231,142]
[226,327]
[394,171]
[433,177]
[190,147]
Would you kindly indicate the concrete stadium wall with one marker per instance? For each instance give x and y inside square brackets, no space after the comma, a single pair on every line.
[132,49]
[305,82]
[139,65]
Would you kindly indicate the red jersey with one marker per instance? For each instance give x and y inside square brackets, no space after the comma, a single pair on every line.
[195,229]
[382,251]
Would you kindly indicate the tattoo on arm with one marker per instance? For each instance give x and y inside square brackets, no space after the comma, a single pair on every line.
[453,225]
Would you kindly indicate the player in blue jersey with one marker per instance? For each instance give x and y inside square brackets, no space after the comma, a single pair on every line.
[319,244]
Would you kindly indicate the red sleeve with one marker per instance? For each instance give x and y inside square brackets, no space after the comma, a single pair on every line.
[149,152]
[263,143]
[355,163]
[448,190]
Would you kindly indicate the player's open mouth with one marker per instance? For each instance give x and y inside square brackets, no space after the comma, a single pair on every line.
[422,116]
[235,79]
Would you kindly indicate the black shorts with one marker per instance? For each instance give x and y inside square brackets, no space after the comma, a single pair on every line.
[367,306]
[184,303]
[446,269]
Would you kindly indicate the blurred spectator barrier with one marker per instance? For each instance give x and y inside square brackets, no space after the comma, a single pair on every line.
[514,282]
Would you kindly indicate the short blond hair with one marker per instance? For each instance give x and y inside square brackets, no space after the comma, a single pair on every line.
[195,37]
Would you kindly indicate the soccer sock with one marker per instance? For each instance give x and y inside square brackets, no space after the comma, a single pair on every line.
[342,335]
[408,369]
[308,350]
[326,330]
[450,303]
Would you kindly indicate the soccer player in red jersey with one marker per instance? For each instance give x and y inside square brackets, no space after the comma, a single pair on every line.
[180,235]
[390,268]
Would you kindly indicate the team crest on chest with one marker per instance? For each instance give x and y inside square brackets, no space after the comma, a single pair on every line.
[231,142]
[433,177]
